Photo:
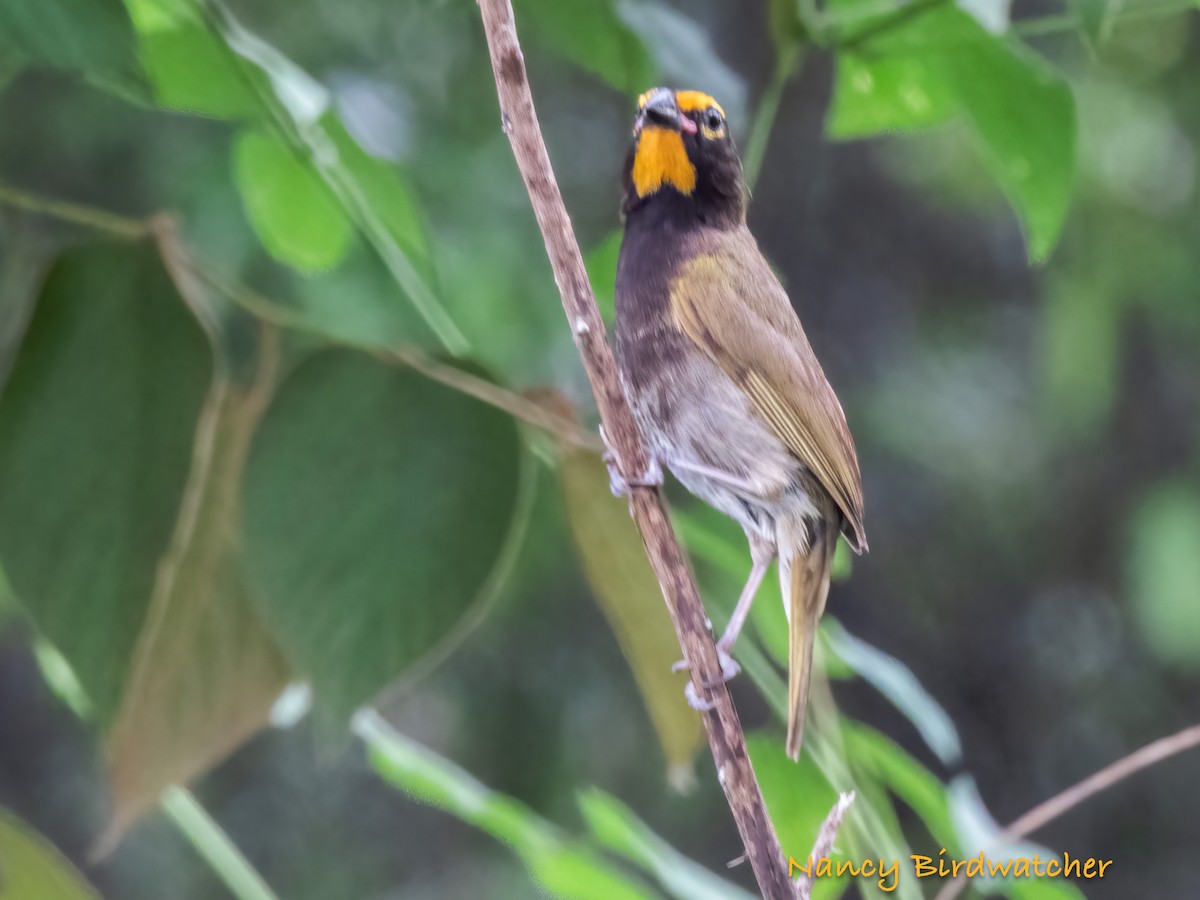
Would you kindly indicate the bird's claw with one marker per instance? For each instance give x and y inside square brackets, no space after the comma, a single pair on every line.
[729,670]
[619,483]
[729,666]
[695,701]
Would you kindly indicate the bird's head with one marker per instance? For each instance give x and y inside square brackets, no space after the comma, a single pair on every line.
[682,154]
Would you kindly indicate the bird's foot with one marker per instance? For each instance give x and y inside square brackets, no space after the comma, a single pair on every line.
[729,666]
[695,701]
[618,482]
[729,670]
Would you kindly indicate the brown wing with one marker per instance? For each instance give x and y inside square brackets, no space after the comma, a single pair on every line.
[729,302]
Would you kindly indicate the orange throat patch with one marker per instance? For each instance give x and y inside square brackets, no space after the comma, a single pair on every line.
[660,160]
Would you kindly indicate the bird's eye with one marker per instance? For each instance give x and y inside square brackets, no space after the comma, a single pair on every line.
[714,123]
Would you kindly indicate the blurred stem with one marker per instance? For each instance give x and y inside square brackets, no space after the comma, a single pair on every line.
[515,404]
[70,212]
[1049,810]
[212,843]
[1054,24]
[787,62]
[309,138]
[884,17]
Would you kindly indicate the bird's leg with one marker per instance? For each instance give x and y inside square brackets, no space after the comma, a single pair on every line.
[762,552]
[618,483]
[728,479]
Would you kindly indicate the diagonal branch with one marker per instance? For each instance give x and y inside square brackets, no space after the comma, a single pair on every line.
[725,736]
[1048,810]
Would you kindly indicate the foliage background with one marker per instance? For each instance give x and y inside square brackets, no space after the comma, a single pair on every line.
[1027,430]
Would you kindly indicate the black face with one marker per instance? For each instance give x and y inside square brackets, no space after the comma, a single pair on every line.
[708,184]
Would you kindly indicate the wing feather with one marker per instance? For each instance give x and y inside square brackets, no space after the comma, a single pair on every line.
[729,303]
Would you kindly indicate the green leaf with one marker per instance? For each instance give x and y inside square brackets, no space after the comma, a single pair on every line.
[628,594]
[896,681]
[32,869]
[1097,18]
[920,72]
[875,95]
[591,35]
[379,510]
[616,827]
[296,217]
[92,37]
[1163,571]
[387,192]
[1024,115]
[96,429]
[1044,889]
[300,103]
[191,70]
[798,796]
[904,777]
[558,865]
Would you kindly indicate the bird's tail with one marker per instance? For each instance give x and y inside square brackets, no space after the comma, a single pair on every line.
[805,589]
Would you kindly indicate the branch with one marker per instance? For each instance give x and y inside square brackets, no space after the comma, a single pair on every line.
[824,844]
[725,736]
[1051,809]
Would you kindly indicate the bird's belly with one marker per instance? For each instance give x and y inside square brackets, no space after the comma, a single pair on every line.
[694,416]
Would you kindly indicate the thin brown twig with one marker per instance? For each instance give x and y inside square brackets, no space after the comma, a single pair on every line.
[1047,811]
[725,736]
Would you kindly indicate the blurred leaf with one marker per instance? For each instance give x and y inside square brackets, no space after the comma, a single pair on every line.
[296,217]
[879,94]
[96,430]
[592,35]
[977,828]
[388,193]
[896,681]
[919,72]
[1043,889]
[601,264]
[191,70]
[787,27]
[1163,572]
[205,672]
[920,790]
[557,864]
[32,869]
[628,594]
[23,264]
[1097,17]
[616,827]
[8,603]
[92,37]
[60,678]
[380,508]
[686,56]
[299,104]
[1080,342]
[1024,114]
[798,796]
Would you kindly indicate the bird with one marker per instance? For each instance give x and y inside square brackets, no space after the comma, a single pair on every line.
[720,376]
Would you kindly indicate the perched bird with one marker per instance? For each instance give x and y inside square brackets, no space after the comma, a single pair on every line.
[720,376]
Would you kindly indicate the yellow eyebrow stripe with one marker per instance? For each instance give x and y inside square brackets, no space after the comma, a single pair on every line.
[687,101]
[690,101]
